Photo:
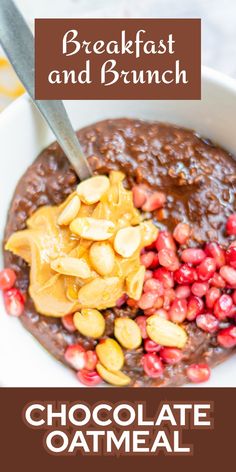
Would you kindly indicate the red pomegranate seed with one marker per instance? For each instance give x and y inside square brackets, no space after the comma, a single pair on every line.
[168,259]
[68,323]
[90,360]
[139,195]
[171,355]
[200,288]
[153,285]
[151,247]
[155,201]
[183,291]
[132,303]
[207,322]
[206,269]
[231,256]
[141,322]
[162,313]
[223,306]
[75,356]
[158,303]
[169,297]
[90,378]
[185,275]
[214,250]
[148,275]
[212,295]
[182,233]
[231,224]
[217,281]
[151,346]
[147,258]
[155,262]
[14,302]
[195,307]
[147,300]
[165,276]
[228,274]
[165,241]
[7,279]
[149,311]
[152,365]
[178,311]
[198,373]
[227,337]
[193,256]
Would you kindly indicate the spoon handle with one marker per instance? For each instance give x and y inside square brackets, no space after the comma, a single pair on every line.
[18,43]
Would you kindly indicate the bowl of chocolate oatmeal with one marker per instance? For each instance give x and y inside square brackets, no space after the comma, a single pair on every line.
[127,278]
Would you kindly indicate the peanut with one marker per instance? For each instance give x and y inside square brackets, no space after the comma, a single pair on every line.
[110,354]
[101,293]
[92,228]
[70,211]
[165,332]
[71,266]
[90,323]
[117,378]
[127,241]
[128,333]
[134,283]
[102,257]
[91,190]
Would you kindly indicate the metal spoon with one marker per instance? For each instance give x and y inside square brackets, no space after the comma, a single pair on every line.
[18,43]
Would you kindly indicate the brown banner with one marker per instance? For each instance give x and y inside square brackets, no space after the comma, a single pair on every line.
[118,58]
[23,446]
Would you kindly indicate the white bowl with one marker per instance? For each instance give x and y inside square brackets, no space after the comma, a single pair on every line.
[23,135]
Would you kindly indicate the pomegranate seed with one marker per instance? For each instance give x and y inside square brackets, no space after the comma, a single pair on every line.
[206,269]
[7,279]
[183,291]
[231,224]
[228,274]
[147,300]
[158,303]
[195,307]
[122,300]
[132,303]
[207,322]
[149,311]
[152,365]
[162,313]
[231,256]
[153,285]
[151,346]
[154,201]
[185,275]
[141,322]
[165,276]
[171,355]
[178,311]
[14,302]
[169,297]
[139,195]
[212,295]
[223,306]
[151,247]
[165,241]
[90,360]
[68,323]
[198,373]
[200,288]
[227,337]
[75,356]
[148,275]
[147,258]
[214,250]
[155,262]
[90,378]
[217,281]
[182,233]
[193,256]
[168,259]
[232,313]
